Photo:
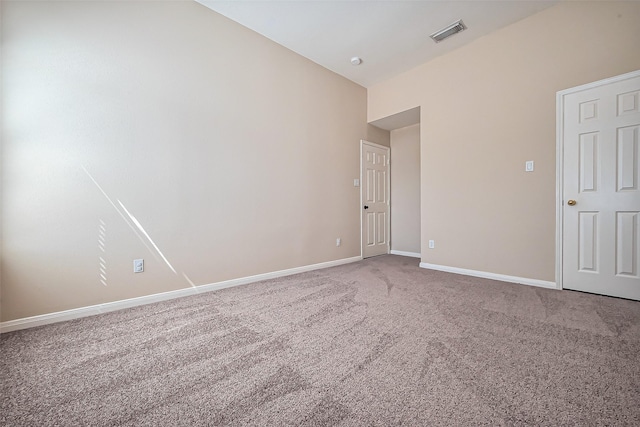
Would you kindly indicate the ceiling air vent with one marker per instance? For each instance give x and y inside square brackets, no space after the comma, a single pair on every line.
[448,31]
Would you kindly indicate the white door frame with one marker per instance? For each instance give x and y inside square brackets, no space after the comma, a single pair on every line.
[560,160]
[388,220]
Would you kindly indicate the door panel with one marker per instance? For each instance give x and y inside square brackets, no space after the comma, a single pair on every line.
[382,229]
[627,244]
[601,230]
[375,199]
[628,159]
[628,103]
[370,225]
[588,241]
[588,161]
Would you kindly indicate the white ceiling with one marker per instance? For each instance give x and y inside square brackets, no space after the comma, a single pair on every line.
[390,36]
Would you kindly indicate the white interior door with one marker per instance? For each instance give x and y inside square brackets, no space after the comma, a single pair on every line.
[601,196]
[375,199]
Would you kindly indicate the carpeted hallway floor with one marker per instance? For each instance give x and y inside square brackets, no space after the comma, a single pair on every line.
[378,342]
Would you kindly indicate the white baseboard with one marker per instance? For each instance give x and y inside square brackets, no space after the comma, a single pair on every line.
[404,253]
[493,276]
[275,274]
[76,313]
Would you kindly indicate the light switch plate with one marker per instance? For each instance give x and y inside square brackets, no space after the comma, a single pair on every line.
[528,166]
[356,182]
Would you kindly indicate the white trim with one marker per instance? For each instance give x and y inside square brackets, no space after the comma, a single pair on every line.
[147,299]
[403,253]
[275,274]
[388,221]
[360,205]
[45,319]
[560,159]
[559,185]
[603,82]
[493,276]
[76,313]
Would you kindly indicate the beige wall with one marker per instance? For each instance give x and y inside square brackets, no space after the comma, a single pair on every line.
[405,189]
[487,108]
[233,154]
[379,136]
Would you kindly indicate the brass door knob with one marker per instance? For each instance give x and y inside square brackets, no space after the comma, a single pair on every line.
[571,202]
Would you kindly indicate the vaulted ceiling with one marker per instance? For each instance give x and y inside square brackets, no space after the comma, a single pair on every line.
[390,36]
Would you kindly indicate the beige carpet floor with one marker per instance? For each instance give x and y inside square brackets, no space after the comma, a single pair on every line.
[379,342]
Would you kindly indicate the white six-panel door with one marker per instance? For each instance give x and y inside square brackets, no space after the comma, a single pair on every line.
[375,199]
[600,189]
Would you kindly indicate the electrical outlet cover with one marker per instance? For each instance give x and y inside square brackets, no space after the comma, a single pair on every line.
[528,166]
